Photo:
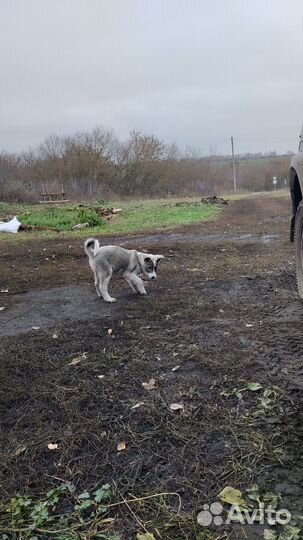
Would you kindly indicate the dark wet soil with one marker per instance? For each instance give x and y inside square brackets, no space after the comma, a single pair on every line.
[224,310]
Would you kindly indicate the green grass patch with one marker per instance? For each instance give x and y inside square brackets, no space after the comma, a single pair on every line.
[156,217]
[62,219]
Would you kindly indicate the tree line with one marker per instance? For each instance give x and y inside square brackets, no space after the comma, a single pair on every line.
[97,165]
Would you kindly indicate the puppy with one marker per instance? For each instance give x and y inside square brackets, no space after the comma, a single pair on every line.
[108,260]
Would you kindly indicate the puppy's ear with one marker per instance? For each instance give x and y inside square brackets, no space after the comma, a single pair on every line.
[159,258]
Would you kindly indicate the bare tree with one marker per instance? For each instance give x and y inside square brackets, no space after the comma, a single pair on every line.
[96,164]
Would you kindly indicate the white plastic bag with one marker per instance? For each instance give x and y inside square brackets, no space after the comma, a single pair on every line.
[11,226]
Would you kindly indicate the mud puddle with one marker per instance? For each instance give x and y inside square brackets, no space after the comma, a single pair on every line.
[50,307]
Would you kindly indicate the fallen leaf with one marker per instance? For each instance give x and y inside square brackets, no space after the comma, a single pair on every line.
[138,405]
[121,446]
[75,361]
[2,308]
[254,386]
[101,376]
[109,331]
[145,536]
[36,327]
[52,446]
[4,291]
[55,336]
[150,385]
[19,450]
[248,325]
[231,495]
[176,407]
[175,368]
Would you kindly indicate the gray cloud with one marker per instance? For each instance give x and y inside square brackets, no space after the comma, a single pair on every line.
[190,71]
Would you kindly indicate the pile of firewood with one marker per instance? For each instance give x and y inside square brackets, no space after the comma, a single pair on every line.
[106,213]
[213,200]
[205,200]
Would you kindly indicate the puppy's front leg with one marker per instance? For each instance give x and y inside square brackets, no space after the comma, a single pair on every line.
[136,283]
[131,285]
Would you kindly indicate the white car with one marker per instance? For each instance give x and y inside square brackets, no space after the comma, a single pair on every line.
[296,227]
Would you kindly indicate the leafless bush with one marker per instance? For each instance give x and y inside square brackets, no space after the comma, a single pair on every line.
[95,164]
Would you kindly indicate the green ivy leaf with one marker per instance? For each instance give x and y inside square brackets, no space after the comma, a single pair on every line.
[290,533]
[84,495]
[253,493]
[84,505]
[270,535]
[102,494]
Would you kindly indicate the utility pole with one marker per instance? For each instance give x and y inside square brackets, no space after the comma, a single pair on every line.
[234,164]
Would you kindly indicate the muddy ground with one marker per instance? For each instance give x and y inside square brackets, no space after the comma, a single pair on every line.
[224,310]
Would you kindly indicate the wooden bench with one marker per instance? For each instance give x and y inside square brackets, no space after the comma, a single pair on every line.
[53,198]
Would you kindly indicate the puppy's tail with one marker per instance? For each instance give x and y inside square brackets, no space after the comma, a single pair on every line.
[91,246]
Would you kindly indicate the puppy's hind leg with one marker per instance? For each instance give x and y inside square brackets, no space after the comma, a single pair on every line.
[103,286]
[97,284]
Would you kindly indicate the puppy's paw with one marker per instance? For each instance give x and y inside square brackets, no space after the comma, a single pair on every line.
[143,293]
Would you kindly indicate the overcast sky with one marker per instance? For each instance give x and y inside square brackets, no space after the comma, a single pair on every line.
[193,72]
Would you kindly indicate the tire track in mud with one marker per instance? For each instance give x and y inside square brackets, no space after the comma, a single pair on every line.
[276,313]
[281,335]
[270,304]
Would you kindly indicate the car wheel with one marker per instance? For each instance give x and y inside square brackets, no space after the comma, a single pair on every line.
[299,248]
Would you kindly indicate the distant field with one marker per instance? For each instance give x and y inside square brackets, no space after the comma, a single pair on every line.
[136,216]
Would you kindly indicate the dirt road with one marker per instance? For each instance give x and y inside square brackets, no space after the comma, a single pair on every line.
[224,312]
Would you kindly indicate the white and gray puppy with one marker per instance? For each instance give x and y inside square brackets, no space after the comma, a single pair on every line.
[108,260]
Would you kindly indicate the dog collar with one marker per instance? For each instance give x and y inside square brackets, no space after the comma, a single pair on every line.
[142,271]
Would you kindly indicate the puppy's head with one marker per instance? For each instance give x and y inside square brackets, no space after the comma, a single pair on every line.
[149,264]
